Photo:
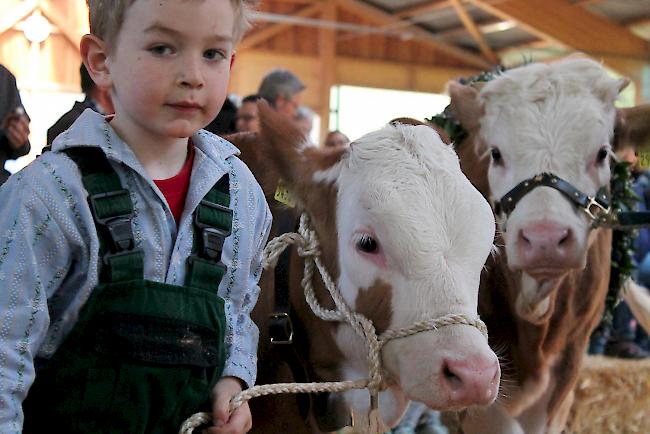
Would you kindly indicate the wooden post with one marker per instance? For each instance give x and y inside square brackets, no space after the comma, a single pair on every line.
[327,54]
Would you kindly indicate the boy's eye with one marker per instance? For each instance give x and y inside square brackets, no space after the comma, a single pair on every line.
[214,54]
[161,50]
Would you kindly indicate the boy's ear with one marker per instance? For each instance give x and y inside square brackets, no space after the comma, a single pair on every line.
[94,54]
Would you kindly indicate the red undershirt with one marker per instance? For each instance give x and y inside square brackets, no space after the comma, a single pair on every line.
[175,188]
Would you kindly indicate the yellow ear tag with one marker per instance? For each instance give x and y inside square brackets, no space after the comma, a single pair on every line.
[284,196]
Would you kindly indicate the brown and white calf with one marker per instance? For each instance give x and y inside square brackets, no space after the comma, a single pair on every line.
[544,293]
[405,236]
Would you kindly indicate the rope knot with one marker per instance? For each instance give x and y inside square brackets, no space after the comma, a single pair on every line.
[309,245]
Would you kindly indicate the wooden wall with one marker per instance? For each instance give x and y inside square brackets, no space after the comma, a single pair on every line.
[251,66]
[54,64]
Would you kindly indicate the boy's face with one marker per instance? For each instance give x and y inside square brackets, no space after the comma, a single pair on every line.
[170,67]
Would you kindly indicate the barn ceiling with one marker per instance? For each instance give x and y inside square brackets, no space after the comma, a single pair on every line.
[471,33]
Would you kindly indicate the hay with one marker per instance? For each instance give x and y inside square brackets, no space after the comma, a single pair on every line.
[612,397]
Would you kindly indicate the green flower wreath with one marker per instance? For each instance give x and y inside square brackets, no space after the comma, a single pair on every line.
[623,199]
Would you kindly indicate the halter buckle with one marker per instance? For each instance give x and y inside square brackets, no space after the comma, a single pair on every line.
[281,329]
[595,210]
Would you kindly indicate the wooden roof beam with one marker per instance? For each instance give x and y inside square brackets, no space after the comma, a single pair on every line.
[570,25]
[270,31]
[64,25]
[16,14]
[377,15]
[473,30]
[327,59]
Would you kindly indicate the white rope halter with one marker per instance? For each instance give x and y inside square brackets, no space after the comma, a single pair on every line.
[308,247]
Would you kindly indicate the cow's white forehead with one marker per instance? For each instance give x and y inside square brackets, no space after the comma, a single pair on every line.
[401,148]
[553,107]
[406,183]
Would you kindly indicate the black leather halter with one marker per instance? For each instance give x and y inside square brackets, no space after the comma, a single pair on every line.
[595,206]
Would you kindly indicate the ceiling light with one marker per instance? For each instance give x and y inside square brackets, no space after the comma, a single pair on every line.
[36,28]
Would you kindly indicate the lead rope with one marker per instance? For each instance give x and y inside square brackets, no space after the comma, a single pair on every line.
[308,247]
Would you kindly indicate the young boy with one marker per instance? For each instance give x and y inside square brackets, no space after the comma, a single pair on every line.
[130,253]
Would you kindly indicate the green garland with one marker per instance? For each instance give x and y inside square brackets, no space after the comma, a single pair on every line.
[623,198]
[446,119]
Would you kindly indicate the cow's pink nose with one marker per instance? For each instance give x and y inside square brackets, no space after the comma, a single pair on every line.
[473,381]
[546,244]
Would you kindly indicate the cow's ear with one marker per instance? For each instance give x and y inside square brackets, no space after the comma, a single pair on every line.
[632,127]
[298,162]
[623,83]
[414,122]
[465,105]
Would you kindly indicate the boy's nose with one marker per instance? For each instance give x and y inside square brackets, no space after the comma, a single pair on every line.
[191,75]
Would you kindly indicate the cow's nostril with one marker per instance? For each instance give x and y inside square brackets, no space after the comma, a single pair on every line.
[454,380]
[565,238]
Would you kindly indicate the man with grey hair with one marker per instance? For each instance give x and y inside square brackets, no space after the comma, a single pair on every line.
[283,90]
[305,119]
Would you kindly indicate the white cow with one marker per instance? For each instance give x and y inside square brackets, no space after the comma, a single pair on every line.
[405,235]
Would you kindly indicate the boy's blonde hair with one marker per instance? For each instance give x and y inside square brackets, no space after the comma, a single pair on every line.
[106,17]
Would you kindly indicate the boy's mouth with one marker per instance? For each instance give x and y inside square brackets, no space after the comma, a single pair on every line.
[185,106]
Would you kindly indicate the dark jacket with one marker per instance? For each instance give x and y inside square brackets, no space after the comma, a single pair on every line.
[9,101]
[68,119]
[225,121]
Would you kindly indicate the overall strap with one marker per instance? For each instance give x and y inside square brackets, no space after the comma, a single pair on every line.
[112,210]
[212,225]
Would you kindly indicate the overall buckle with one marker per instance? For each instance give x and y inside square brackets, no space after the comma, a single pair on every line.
[119,226]
[212,242]
[121,233]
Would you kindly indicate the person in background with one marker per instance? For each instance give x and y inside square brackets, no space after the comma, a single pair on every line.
[97,99]
[335,139]
[283,91]
[305,120]
[247,119]
[133,249]
[14,123]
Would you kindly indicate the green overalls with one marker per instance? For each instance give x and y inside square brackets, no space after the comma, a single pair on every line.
[143,355]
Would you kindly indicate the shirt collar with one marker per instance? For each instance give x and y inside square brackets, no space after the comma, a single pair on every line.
[92,129]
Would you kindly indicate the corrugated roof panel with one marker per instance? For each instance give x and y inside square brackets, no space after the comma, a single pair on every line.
[392,5]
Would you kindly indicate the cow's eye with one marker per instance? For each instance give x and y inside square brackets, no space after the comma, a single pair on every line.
[603,153]
[496,156]
[367,244]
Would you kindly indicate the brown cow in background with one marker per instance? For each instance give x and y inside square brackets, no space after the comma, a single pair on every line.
[540,126]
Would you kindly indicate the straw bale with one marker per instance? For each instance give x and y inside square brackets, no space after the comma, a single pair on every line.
[612,396]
